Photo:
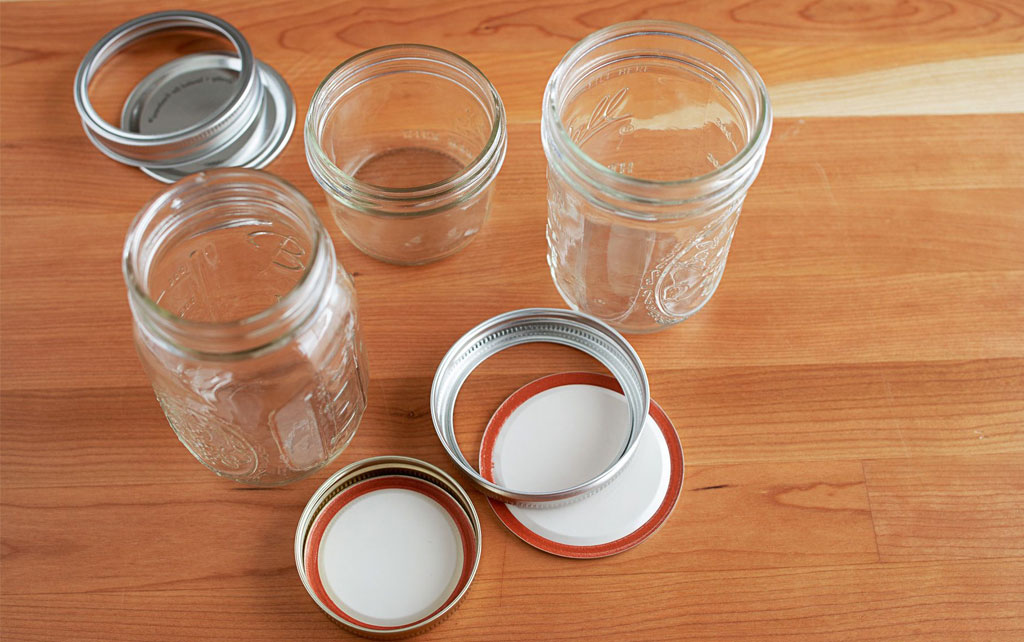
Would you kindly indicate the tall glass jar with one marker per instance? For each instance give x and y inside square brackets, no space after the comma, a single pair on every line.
[653,133]
[406,141]
[246,325]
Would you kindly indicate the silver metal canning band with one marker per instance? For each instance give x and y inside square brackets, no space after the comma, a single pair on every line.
[539,325]
[189,145]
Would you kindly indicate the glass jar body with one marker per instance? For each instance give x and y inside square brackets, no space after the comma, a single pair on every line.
[406,141]
[412,240]
[653,132]
[246,325]
[636,275]
[273,417]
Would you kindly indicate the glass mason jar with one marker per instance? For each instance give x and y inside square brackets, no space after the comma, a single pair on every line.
[246,325]
[406,141]
[653,133]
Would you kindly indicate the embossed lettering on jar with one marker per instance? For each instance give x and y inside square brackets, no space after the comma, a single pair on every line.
[246,325]
[653,133]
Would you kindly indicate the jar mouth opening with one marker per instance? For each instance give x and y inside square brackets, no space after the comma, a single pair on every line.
[492,150]
[137,257]
[553,94]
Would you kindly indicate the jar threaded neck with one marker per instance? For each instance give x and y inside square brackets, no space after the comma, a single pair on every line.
[202,260]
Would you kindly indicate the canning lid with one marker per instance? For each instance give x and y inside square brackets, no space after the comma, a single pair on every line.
[388,546]
[542,325]
[556,431]
[198,111]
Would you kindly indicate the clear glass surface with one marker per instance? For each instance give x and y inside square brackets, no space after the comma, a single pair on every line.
[653,132]
[406,141]
[246,325]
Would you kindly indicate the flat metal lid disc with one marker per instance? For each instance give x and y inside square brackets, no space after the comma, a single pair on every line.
[190,89]
[390,553]
[554,430]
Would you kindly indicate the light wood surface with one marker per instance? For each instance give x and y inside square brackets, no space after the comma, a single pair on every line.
[850,403]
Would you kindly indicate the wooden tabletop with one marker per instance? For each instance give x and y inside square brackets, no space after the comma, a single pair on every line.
[850,402]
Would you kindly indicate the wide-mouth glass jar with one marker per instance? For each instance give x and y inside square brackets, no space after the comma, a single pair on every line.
[653,133]
[406,141]
[246,325]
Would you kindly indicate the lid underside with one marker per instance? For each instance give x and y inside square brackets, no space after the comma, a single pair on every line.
[564,426]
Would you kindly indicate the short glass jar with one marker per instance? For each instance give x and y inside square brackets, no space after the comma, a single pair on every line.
[246,325]
[653,133]
[406,141]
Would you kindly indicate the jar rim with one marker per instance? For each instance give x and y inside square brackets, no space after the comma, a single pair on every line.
[756,142]
[228,176]
[491,154]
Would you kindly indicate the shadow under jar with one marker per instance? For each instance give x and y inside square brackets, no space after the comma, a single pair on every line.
[406,141]
[246,325]
[653,133]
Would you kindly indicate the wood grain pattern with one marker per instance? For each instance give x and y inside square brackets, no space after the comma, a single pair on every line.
[950,507]
[850,403]
[915,90]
